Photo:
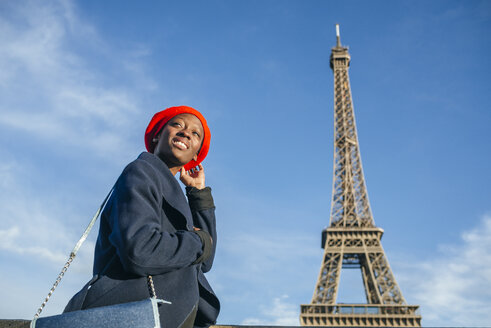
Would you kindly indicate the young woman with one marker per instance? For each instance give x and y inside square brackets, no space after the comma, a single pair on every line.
[149,228]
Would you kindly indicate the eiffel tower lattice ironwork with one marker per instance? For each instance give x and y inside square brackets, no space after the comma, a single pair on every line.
[352,239]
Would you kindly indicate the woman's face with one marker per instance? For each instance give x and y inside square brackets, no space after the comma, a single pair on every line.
[179,141]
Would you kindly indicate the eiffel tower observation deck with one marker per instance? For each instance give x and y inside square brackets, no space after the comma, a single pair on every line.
[352,240]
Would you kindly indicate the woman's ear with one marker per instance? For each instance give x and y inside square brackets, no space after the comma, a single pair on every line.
[156,138]
[195,157]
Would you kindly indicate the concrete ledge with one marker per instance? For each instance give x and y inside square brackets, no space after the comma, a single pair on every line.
[25,324]
[14,323]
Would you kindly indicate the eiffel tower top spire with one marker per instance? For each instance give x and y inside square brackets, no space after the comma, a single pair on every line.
[350,206]
[339,52]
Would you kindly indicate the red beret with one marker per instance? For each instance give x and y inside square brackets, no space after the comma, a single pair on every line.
[161,118]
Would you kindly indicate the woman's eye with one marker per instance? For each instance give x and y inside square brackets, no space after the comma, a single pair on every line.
[196,134]
[176,124]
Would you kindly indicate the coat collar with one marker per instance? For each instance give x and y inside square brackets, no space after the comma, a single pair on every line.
[171,190]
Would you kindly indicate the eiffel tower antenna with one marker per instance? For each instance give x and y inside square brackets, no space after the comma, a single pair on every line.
[338,37]
[352,240]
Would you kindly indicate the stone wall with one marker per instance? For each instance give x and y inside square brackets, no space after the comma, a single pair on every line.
[25,324]
[14,323]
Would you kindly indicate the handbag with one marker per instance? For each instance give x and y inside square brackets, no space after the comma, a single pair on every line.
[144,313]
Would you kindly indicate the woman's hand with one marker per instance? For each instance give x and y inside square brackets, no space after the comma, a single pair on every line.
[193,178]
[198,229]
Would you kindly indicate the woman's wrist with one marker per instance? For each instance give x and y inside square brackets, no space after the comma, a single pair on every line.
[199,199]
[207,246]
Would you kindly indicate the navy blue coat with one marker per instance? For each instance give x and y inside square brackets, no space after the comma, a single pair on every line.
[146,228]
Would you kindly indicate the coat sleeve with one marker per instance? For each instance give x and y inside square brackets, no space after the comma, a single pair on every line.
[203,211]
[135,217]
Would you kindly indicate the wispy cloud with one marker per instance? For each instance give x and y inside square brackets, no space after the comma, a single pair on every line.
[266,268]
[258,253]
[52,90]
[280,313]
[454,289]
[36,229]
[36,237]
[53,94]
[9,242]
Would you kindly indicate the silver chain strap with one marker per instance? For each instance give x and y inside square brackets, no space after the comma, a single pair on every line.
[60,276]
[151,287]
[73,254]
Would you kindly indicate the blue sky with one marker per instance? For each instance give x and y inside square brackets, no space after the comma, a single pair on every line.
[79,81]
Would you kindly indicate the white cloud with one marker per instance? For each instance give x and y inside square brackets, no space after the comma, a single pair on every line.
[454,288]
[6,178]
[50,88]
[280,313]
[53,94]
[36,237]
[34,226]
[257,254]
[265,265]
[9,242]
[35,230]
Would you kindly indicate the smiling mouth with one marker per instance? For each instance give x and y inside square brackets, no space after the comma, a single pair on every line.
[179,144]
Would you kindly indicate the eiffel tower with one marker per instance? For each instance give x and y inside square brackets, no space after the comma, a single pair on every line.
[352,240]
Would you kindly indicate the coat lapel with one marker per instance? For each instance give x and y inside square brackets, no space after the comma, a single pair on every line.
[171,190]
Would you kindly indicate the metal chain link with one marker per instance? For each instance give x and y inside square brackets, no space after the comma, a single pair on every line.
[60,276]
[62,273]
[73,253]
[151,287]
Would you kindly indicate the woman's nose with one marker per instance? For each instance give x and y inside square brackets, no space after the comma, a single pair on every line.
[184,133]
